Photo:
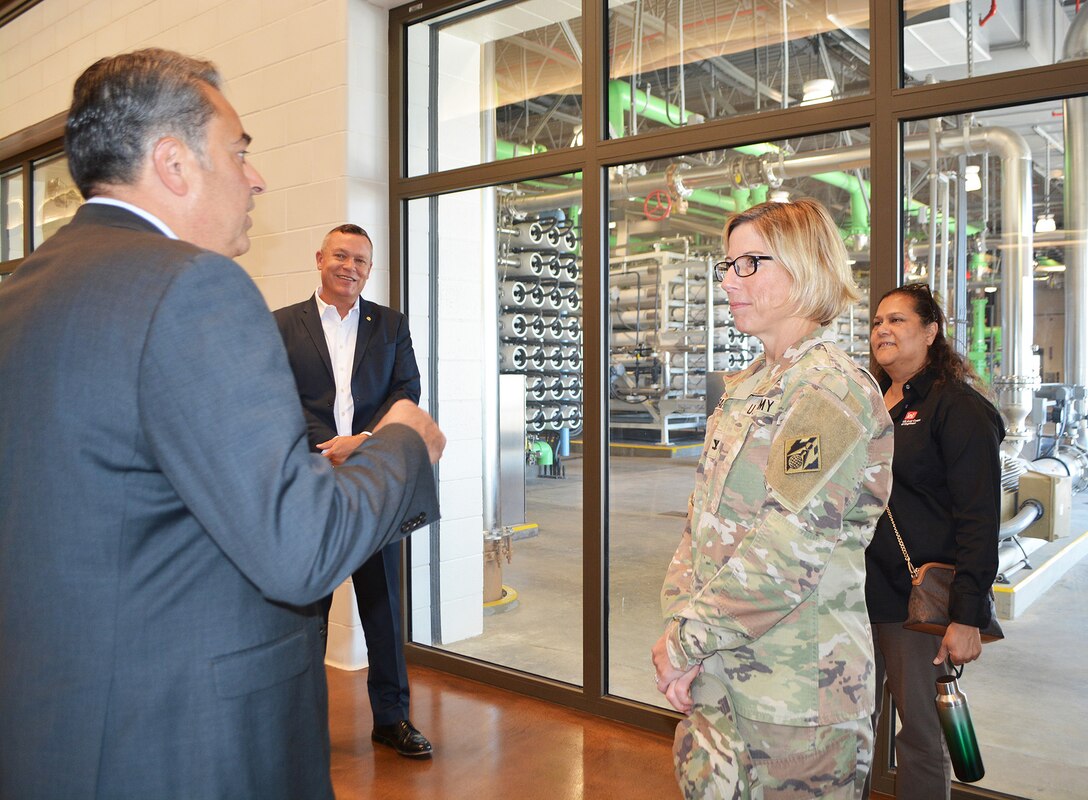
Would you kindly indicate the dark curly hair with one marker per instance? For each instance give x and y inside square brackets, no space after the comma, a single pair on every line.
[946,362]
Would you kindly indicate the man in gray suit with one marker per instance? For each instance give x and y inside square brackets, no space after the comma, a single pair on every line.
[163,523]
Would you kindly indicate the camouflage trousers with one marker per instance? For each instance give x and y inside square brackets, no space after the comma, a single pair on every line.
[720,755]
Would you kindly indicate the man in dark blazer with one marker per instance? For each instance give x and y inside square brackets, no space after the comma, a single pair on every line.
[353,359]
[164,527]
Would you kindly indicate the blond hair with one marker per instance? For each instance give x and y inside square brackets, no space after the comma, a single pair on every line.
[804,239]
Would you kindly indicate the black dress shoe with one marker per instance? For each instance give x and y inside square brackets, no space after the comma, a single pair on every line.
[404,738]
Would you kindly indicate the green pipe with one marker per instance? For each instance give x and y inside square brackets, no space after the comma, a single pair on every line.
[980,332]
[543,450]
[653,108]
[659,110]
[505,149]
[858,191]
[708,198]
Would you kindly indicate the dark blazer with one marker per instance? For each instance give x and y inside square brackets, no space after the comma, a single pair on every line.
[384,369]
[161,519]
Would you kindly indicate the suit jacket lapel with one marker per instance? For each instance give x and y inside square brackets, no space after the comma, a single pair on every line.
[367,323]
[311,320]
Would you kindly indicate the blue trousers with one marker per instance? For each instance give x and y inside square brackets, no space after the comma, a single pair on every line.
[377,595]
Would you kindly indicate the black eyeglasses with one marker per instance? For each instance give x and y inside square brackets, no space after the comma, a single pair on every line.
[919,289]
[745,266]
[916,287]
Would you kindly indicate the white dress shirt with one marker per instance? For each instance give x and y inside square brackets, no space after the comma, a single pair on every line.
[158,223]
[340,336]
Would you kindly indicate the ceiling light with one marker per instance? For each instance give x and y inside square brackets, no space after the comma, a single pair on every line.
[817,90]
[971,180]
[1045,224]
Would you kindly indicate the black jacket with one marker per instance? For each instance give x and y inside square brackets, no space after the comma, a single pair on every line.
[946,498]
[383,371]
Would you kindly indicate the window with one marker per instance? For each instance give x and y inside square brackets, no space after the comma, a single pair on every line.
[38,197]
[678,114]
[674,64]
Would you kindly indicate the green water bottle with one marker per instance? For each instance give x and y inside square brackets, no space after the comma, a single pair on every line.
[959,732]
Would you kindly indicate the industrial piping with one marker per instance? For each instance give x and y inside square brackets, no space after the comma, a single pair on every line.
[1018,380]
[1075,211]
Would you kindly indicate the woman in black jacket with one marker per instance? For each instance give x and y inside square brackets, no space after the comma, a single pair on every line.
[946,497]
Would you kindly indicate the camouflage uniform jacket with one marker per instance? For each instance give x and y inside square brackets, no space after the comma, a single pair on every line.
[770,572]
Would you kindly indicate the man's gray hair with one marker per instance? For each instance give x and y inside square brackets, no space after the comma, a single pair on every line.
[123,104]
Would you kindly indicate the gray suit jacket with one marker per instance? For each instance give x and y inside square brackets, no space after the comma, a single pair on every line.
[162,522]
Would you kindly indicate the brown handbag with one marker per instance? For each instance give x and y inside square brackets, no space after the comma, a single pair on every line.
[931,587]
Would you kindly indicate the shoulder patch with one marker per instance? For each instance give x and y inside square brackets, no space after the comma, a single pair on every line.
[817,434]
[803,455]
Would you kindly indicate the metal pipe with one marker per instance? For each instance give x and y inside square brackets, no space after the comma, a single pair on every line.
[491,478]
[1075,215]
[958,300]
[680,56]
[1030,511]
[931,266]
[945,209]
[1018,379]
[785,58]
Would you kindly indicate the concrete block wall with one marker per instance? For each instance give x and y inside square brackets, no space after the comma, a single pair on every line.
[285,64]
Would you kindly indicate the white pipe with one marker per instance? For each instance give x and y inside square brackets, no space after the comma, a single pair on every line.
[785,57]
[1030,511]
[931,268]
[945,207]
[1075,213]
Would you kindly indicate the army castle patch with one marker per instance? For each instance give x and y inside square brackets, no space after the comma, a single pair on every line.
[803,455]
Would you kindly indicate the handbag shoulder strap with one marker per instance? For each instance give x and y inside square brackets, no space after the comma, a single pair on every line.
[906,556]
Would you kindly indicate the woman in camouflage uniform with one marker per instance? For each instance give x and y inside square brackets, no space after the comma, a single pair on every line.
[766,646]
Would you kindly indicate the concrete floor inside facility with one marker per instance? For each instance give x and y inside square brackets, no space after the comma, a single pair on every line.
[1026,693]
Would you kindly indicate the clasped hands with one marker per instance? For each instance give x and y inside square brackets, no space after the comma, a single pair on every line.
[674,683]
[402,412]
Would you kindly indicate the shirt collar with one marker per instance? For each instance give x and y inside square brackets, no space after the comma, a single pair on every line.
[322,305]
[917,386]
[139,212]
[820,335]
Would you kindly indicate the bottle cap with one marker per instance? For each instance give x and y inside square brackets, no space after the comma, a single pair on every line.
[946,684]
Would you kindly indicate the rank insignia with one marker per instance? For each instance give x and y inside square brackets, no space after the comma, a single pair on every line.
[803,455]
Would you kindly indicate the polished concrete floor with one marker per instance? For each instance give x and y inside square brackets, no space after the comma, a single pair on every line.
[1026,693]
[491,744]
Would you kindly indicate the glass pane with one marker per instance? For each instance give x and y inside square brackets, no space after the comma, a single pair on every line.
[995,226]
[494,274]
[676,63]
[507,81]
[947,41]
[666,219]
[55,197]
[11,215]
